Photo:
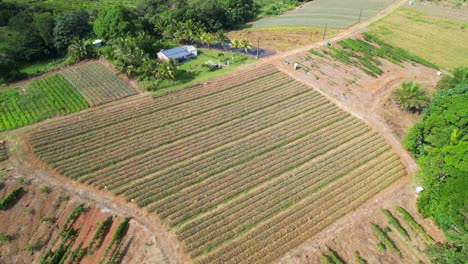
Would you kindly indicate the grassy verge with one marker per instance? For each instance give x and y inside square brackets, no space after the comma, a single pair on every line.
[193,72]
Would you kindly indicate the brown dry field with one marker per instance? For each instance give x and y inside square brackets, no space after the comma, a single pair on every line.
[22,222]
[280,39]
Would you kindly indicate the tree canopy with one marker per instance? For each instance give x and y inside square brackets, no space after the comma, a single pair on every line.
[440,143]
[114,22]
[71,24]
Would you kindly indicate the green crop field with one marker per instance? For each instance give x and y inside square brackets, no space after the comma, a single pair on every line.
[244,168]
[97,84]
[44,98]
[334,13]
[440,41]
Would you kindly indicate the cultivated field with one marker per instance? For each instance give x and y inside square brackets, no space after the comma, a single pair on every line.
[446,10]
[362,72]
[47,97]
[3,151]
[282,39]
[334,13]
[97,84]
[447,38]
[42,224]
[244,168]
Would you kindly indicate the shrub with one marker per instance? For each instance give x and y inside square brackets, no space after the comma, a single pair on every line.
[385,239]
[407,216]
[396,224]
[10,198]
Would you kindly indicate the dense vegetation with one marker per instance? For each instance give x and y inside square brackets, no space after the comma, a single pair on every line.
[44,98]
[37,32]
[440,143]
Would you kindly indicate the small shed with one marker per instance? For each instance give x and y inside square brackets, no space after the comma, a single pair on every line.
[179,54]
[98,43]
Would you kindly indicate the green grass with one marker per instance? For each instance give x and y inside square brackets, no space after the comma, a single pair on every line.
[334,13]
[440,41]
[196,73]
[38,67]
[47,97]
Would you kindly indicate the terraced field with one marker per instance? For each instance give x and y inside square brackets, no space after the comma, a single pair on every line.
[97,84]
[244,169]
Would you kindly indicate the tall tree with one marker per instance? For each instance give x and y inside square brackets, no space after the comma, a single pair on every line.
[44,23]
[245,44]
[71,24]
[115,22]
[410,96]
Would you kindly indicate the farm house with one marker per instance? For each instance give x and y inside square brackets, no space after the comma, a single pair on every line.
[179,54]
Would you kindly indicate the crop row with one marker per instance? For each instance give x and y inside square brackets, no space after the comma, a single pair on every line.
[3,151]
[207,142]
[298,223]
[120,131]
[270,202]
[97,84]
[298,177]
[219,161]
[140,144]
[44,98]
[227,184]
[246,212]
[223,158]
[96,121]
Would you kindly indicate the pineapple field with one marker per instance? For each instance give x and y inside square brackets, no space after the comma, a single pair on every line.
[244,168]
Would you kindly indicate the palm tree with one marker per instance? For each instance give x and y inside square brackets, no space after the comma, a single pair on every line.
[235,44]
[411,96]
[166,70]
[206,39]
[245,44]
[78,49]
[221,37]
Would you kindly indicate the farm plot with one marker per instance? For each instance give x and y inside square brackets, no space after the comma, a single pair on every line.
[97,84]
[44,98]
[333,13]
[244,168]
[3,151]
[438,40]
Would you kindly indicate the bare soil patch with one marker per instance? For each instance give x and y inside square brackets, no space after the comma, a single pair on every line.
[280,39]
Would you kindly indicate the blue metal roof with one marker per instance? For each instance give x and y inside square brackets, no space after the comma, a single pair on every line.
[175,53]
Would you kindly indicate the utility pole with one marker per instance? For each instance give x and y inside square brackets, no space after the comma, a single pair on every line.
[258,47]
[360,15]
[325,31]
